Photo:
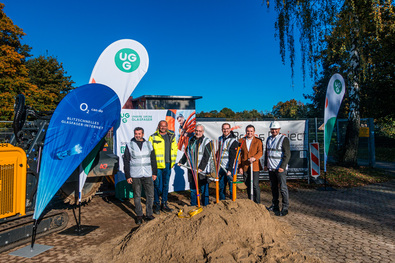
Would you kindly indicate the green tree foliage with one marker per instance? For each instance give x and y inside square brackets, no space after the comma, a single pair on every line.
[353,38]
[227,113]
[290,109]
[311,21]
[374,44]
[231,115]
[48,74]
[377,62]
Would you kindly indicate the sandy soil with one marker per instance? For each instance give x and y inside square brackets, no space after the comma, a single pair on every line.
[240,231]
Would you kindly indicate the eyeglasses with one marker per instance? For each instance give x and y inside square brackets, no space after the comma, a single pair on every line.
[198,130]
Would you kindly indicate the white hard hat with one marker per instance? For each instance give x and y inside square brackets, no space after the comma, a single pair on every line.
[275,125]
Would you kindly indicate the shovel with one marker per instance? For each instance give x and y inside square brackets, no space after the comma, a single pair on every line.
[252,182]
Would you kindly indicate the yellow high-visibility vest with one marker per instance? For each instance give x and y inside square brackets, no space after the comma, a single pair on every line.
[159,146]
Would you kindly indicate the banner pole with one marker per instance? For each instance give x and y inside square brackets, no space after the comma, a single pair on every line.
[79,218]
[325,181]
[34,234]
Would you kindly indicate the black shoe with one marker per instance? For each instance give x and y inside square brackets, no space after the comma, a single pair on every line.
[273,208]
[165,208]
[149,218]
[284,212]
[156,209]
[139,220]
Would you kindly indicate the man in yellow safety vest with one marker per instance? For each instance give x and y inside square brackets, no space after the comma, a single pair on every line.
[165,146]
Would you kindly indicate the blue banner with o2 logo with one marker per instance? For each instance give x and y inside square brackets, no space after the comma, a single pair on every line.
[79,122]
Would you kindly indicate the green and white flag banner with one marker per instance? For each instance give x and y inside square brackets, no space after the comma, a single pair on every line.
[121,66]
[333,100]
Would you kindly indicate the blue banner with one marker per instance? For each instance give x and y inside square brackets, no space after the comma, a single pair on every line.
[79,122]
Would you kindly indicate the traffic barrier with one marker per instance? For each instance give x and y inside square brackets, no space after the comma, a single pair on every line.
[314,159]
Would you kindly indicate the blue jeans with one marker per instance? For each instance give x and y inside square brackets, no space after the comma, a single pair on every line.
[223,181]
[203,192]
[162,185]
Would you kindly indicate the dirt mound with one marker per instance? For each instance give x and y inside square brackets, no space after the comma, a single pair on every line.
[240,231]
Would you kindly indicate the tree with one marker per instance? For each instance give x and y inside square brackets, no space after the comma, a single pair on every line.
[48,74]
[290,109]
[360,45]
[251,115]
[42,80]
[228,113]
[13,73]
[337,31]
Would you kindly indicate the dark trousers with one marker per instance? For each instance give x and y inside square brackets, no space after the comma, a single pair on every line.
[224,180]
[256,189]
[148,185]
[277,178]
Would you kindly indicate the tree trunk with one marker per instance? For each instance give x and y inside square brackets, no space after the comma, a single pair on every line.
[351,144]
[350,153]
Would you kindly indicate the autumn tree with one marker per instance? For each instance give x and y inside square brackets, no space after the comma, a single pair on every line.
[13,72]
[42,80]
[50,77]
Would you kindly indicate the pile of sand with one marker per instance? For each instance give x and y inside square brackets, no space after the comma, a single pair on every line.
[240,231]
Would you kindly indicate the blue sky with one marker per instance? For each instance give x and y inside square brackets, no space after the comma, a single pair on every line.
[222,50]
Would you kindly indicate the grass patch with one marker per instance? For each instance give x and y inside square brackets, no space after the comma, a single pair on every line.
[342,177]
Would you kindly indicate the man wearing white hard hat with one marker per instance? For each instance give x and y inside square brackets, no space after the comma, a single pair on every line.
[277,155]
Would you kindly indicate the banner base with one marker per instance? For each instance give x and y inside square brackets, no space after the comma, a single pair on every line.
[28,252]
[82,230]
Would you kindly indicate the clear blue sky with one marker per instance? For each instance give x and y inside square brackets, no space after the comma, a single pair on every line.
[223,50]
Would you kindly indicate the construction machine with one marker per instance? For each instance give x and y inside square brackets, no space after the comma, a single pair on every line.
[19,170]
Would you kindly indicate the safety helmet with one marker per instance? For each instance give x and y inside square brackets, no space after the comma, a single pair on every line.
[275,125]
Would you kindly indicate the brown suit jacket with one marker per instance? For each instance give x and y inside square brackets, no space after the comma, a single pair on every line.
[256,150]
